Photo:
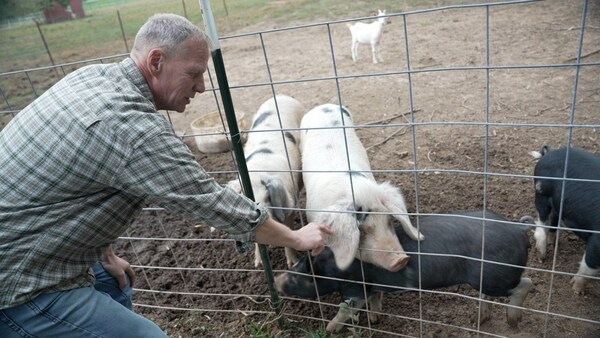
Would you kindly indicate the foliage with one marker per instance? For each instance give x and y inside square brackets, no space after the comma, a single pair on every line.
[319,333]
[268,329]
[261,331]
[346,307]
[15,8]
[50,3]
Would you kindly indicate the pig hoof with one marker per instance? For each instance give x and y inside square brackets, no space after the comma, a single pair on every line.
[541,257]
[334,327]
[373,318]
[513,317]
[291,256]
[485,312]
[578,285]
[291,261]
[475,318]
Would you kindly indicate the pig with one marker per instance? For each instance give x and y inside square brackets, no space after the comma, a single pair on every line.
[580,205]
[273,161]
[342,193]
[450,256]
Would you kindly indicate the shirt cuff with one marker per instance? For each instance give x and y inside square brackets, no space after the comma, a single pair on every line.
[245,242]
[243,247]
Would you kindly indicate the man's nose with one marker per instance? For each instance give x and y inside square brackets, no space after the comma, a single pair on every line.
[199,86]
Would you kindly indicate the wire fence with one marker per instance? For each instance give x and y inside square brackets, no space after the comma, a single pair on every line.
[478,88]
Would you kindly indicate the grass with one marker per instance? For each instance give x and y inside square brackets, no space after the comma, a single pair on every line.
[99,34]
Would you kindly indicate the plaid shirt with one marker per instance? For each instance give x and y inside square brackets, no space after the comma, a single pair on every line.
[76,167]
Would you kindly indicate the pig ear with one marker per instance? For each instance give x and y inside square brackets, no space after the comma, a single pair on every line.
[279,198]
[346,235]
[393,202]
[235,185]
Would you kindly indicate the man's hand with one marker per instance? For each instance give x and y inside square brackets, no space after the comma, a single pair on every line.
[311,238]
[117,267]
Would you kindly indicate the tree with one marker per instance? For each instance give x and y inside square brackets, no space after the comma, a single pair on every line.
[15,8]
[50,3]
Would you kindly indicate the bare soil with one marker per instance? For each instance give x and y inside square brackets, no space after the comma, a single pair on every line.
[447,145]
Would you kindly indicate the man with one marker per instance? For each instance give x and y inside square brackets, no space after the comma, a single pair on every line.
[76,167]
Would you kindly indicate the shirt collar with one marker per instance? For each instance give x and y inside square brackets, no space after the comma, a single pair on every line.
[137,78]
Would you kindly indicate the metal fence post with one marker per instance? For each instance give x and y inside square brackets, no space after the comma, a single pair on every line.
[217,57]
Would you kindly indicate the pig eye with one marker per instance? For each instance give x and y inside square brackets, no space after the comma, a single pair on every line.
[363,230]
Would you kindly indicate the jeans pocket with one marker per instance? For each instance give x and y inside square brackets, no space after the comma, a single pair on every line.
[43,302]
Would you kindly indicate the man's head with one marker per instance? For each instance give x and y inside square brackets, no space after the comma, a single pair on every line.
[172,54]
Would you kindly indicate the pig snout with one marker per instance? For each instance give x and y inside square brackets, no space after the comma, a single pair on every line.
[399,263]
[280,282]
[386,250]
[389,260]
[291,284]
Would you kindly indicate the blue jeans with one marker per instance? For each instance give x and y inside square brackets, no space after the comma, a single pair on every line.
[99,311]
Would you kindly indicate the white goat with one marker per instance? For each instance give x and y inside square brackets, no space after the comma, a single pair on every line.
[368,33]
[342,193]
[273,161]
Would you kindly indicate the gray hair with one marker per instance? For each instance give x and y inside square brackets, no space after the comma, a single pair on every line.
[166,31]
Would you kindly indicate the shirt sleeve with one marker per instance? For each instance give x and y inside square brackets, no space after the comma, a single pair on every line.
[163,170]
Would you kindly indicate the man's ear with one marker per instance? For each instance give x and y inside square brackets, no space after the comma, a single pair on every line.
[155,60]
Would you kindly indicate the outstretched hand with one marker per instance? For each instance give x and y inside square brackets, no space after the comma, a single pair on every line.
[312,238]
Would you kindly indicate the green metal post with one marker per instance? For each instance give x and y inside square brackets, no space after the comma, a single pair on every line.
[236,139]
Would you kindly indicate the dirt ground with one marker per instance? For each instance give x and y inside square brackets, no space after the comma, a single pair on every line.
[216,292]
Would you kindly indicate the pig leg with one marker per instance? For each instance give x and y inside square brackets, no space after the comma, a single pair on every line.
[345,313]
[517,297]
[257,259]
[546,217]
[541,239]
[485,309]
[590,260]
[291,255]
[374,306]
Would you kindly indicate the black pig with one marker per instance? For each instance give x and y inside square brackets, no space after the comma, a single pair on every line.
[456,242]
[581,203]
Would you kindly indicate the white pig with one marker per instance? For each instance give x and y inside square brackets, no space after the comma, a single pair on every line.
[273,161]
[342,193]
